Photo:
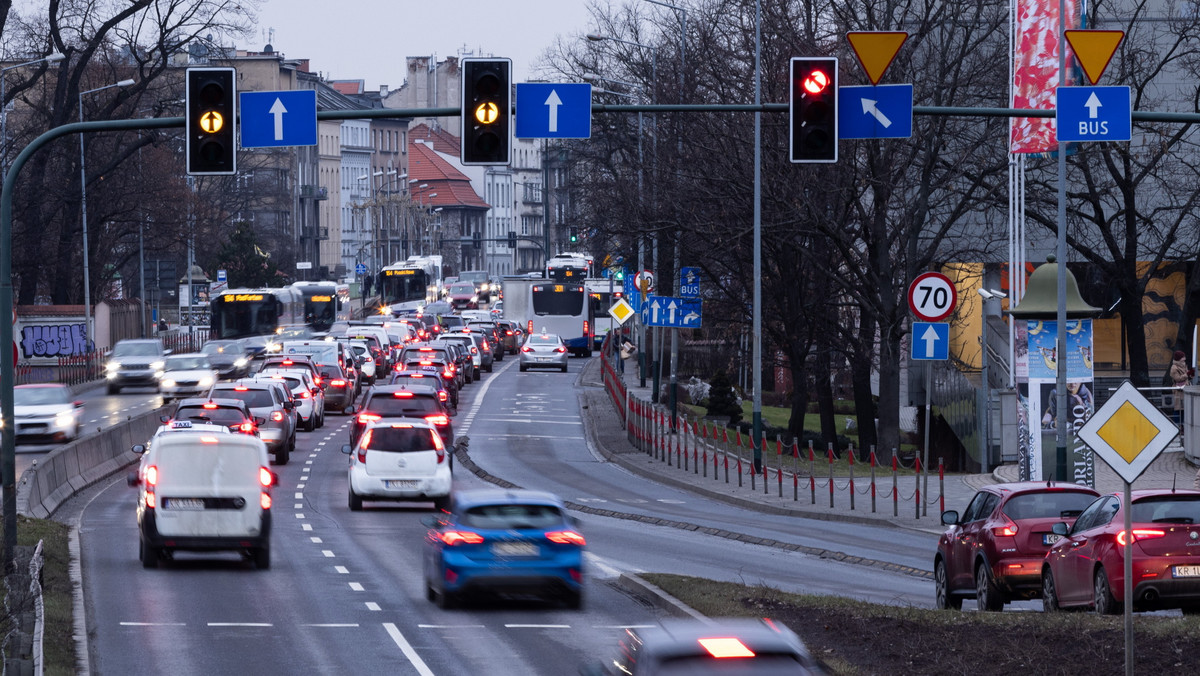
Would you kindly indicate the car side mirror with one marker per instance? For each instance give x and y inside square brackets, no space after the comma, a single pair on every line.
[259,420]
[950,517]
[77,403]
[133,480]
[351,410]
[346,449]
[1060,528]
[164,418]
[138,448]
[325,374]
[288,405]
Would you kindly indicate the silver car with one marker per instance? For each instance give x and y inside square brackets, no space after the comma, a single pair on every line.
[267,400]
[543,350]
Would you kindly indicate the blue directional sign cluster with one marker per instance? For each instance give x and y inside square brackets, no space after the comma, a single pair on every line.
[884,111]
[1094,114]
[931,341]
[286,118]
[679,313]
[689,282]
[553,110]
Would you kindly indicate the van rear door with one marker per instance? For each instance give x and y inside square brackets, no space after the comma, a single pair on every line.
[208,485]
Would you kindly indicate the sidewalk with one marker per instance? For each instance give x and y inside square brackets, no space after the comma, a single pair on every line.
[796,496]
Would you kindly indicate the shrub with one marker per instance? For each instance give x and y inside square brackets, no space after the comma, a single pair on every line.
[722,400]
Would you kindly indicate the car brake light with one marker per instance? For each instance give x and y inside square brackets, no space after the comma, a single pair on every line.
[208,440]
[438,419]
[425,363]
[526,348]
[585,327]
[264,477]
[152,475]
[241,388]
[507,332]
[425,349]
[725,647]
[561,348]
[529,326]
[365,418]
[337,383]
[1006,530]
[485,345]
[277,416]
[151,501]
[246,427]
[566,537]
[210,406]
[305,394]
[1141,534]
[458,537]
[442,396]
[404,394]
[318,381]
[448,374]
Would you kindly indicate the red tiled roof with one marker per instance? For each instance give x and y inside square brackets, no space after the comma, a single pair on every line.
[450,187]
[348,87]
[442,140]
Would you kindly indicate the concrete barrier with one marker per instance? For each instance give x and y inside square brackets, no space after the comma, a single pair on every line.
[69,469]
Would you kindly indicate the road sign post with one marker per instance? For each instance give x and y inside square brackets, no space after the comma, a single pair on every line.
[931,297]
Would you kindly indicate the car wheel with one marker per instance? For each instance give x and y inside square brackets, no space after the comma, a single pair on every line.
[1103,599]
[987,594]
[292,443]
[355,501]
[1049,593]
[489,368]
[113,389]
[500,356]
[430,594]
[574,600]
[564,368]
[447,600]
[321,419]
[311,423]
[477,374]
[262,557]
[522,367]
[282,456]
[148,555]
[945,601]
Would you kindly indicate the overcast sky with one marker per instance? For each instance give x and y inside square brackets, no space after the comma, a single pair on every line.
[369,39]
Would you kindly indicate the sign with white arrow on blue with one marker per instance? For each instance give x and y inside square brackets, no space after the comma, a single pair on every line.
[1094,114]
[689,282]
[931,340]
[885,111]
[553,110]
[678,313]
[272,119]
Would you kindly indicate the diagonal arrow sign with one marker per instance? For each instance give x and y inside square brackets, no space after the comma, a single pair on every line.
[277,110]
[869,108]
[553,102]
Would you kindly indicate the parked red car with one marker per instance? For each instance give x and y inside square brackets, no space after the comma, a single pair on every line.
[1086,568]
[994,551]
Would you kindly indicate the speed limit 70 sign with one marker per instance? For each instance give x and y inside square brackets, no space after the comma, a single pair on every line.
[932,297]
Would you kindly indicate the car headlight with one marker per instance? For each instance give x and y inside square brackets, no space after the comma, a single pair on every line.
[157,365]
[240,362]
[206,381]
[168,383]
[112,366]
[64,419]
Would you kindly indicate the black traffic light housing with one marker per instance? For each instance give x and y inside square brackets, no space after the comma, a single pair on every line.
[477,239]
[211,121]
[812,111]
[512,239]
[486,112]
[573,232]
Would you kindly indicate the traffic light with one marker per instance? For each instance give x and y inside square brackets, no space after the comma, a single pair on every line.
[512,239]
[574,232]
[812,112]
[211,105]
[486,112]
[478,239]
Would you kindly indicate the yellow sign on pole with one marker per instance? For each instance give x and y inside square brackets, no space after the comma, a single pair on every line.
[621,311]
[1128,432]
[876,50]
[1094,49]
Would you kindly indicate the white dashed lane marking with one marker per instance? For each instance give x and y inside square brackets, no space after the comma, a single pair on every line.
[371,605]
[328,553]
[341,570]
[356,586]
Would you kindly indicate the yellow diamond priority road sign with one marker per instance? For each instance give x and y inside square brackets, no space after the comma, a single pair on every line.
[1128,432]
[621,311]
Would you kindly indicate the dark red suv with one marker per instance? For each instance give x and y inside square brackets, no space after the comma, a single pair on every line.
[993,552]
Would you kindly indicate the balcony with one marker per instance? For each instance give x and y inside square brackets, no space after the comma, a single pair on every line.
[314,192]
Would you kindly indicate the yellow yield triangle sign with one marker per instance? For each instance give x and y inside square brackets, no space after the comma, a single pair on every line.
[876,50]
[1094,49]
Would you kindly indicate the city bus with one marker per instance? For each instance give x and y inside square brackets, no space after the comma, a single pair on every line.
[243,313]
[564,309]
[324,303]
[569,267]
[406,287]
[603,292]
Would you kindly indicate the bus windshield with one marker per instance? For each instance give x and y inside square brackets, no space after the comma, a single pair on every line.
[403,285]
[320,308]
[558,299]
[241,315]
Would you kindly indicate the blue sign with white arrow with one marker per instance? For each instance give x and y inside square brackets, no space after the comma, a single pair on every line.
[931,340]
[689,282]
[678,313]
[271,119]
[1094,114]
[553,110]
[884,111]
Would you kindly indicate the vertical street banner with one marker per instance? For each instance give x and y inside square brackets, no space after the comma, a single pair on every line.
[1035,71]
[1039,394]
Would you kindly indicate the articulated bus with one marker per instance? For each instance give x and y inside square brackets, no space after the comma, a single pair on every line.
[242,313]
[564,309]
[324,303]
[569,267]
[406,287]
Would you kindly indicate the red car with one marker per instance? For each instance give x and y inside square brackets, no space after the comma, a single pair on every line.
[1087,566]
[994,551]
[462,296]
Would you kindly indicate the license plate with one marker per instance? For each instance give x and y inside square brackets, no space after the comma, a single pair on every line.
[191,504]
[401,483]
[514,549]
[1050,538]
[1185,571]
[545,358]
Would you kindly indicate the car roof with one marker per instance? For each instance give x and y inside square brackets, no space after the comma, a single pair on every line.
[191,426]
[388,422]
[186,438]
[252,383]
[1018,487]
[491,496]
[225,402]
[415,388]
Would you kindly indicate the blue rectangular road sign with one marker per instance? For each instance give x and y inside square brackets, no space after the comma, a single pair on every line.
[1094,114]
[631,294]
[930,340]
[671,312]
[287,118]
[689,282]
[553,110]
[884,111]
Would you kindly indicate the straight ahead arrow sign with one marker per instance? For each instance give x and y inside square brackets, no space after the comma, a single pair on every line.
[671,312]
[553,102]
[277,110]
[931,339]
[1093,105]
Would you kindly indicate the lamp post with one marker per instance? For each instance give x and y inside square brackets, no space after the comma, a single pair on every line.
[984,367]
[54,57]
[87,285]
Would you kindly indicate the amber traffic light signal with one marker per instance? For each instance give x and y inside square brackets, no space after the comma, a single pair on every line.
[486,111]
[812,109]
[211,107]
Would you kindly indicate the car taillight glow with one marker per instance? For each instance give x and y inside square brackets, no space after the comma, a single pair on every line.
[460,537]
[526,348]
[722,647]
[246,428]
[448,374]
[442,396]
[566,537]
[318,381]
[438,419]
[560,349]
[365,418]
[210,406]
[241,388]
[277,416]
[507,332]
[402,394]
[585,327]
[304,394]
[485,345]
[264,477]
[337,383]
[208,440]
[264,500]
[1007,529]
[152,475]
[529,326]
[1141,534]
[151,501]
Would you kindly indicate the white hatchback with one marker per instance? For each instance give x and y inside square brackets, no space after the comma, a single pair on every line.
[310,400]
[186,375]
[399,459]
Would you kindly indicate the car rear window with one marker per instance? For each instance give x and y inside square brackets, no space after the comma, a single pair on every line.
[400,439]
[253,398]
[1056,505]
[217,416]
[402,407]
[430,353]
[512,516]
[1167,509]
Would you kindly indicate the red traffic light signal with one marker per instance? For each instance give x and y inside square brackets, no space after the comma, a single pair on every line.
[812,113]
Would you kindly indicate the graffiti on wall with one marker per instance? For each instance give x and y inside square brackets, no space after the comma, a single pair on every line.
[53,340]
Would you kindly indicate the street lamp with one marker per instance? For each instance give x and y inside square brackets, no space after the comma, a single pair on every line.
[87,285]
[54,57]
[984,364]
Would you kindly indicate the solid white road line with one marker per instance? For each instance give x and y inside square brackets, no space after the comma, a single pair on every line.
[240,624]
[537,626]
[407,649]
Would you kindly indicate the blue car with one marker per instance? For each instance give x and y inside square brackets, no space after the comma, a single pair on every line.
[505,542]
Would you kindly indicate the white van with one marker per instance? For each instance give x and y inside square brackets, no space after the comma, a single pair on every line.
[200,491]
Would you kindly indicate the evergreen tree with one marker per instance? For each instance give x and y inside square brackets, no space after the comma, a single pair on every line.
[722,400]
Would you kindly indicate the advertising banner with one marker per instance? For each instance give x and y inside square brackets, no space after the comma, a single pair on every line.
[1039,397]
[1035,71]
